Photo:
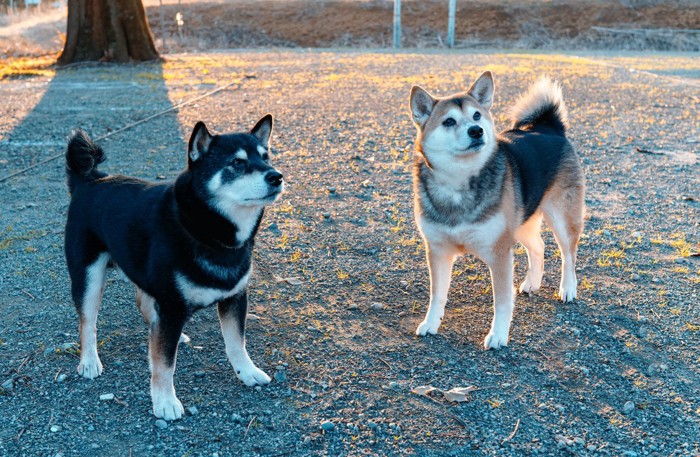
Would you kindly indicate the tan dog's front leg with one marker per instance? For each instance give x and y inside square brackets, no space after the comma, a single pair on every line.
[440,262]
[501,267]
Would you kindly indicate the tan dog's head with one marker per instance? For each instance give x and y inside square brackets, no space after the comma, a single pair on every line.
[454,128]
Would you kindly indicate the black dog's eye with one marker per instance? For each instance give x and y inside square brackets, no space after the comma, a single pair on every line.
[265,157]
[477,116]
[449,122]
[237,163]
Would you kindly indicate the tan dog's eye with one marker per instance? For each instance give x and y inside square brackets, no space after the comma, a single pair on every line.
[477,116]
[449,122]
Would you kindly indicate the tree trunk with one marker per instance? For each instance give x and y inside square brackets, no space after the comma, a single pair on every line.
[107,30]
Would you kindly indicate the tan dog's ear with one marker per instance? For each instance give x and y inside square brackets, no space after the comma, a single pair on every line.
[263,130]
[422,104]
[482,89]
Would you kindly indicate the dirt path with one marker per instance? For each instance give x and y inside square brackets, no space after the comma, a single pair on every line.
[341,343]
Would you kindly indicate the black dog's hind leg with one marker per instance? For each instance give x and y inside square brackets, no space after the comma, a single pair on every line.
[88,282]
[162,354]
[232,315]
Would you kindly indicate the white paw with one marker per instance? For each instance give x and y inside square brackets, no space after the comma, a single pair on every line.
[90,367]
[427,326]
[496,339]
[252,376]
[567,290]
[167,407]
[529,287]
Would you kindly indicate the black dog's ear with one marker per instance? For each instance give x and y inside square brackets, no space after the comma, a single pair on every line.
[263,130]
[199,142]
[482,89]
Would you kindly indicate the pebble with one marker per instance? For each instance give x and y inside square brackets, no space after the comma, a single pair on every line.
[55,428]
[91,428]
[575,331]
[585,371]
[237,418]
[199,374]
[62,377]
[331,190]
[393,385]
[353,306]
[634,277]
[280,376]
[327,426]
[106,397]
[606,232]
[561,444]
[371,424]
[591,448]
[642,332]
[326,215]
[578,440]
[377,306]
[160,423]
[629,454]
[193,410]
[9,384]
[628,407]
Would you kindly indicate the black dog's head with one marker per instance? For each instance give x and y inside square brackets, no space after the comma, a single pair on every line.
[233,171]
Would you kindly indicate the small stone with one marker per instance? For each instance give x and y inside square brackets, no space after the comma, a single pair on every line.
[327,426]
[326,215]
[393,385]
[258,388]
[160,423]
[575,331]
[106,397]
[55,428]
[91,428]
[606,232]
[376,306]
[628,407]
[630,454]
[371,424]
[237,418]
[280,376]
[331,190]
[353,306]
[591,448]
[199,374]
[634,277]
[585,371]
[9,384]
[578,440]
[642,319]
[193,410]
[642,332]
[561,444]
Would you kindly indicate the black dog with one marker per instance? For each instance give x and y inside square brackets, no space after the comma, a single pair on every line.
[186,245]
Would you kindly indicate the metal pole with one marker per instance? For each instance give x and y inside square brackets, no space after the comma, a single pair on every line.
[162,30]
[397,24]
[451,24]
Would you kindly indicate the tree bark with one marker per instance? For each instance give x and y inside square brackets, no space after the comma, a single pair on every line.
[107,30]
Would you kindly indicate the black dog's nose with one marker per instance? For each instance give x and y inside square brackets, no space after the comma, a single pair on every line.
[274,178]
[475,131]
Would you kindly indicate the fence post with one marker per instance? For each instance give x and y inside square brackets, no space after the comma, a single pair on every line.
[397,24]
[451,24]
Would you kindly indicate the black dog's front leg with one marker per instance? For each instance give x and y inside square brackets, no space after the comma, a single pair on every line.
[232,315]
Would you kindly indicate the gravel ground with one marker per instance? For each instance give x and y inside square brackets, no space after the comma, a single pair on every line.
[615,373]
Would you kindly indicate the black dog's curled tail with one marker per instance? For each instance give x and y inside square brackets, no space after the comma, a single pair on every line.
[82,158]
[542,105]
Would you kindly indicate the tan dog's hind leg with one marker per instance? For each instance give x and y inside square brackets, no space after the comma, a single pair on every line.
[529,236]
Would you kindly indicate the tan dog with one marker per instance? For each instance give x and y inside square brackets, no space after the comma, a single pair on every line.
[477,192]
